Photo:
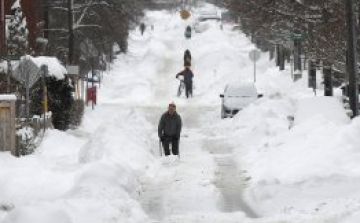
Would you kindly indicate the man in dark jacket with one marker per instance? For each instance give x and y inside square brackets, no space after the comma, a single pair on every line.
[187,58]
[188,76]
[169,130]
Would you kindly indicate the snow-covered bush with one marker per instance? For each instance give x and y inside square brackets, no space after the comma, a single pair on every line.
[60,101]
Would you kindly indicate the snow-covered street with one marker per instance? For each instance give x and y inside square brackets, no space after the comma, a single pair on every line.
[251,169]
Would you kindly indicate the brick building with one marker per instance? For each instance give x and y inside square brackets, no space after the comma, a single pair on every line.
[32,11]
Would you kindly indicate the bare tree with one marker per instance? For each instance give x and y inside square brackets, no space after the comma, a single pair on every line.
[320,24]
[92,24]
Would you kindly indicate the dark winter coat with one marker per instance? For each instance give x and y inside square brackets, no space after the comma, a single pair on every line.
[142,27]
[170,125]
[187,58]
[188,75]
[188,32]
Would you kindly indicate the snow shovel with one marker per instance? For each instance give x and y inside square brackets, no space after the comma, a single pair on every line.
[160,148]
[179,149]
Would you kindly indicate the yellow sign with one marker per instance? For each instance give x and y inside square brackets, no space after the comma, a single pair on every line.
[184,14]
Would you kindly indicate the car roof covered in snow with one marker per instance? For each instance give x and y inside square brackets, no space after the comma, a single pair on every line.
[242,88]
[208,14]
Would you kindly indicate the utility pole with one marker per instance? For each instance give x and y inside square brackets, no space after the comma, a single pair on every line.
[282,58]
[4,47]
[93,91]
[44,72]
[9,58]
[9,72]
[352,68]
[328,80]
[277,55]
[297,55]
[312,74]
[46,19]
[71,32]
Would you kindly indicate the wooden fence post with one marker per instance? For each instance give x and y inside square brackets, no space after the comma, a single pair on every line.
[7,124]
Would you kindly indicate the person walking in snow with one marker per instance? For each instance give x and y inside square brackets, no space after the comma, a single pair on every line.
[188,32]
[187,58]
[188,76]
[142,28]
[169,130]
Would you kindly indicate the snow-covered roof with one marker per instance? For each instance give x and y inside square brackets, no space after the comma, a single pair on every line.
[7,97]
[241,89]
[55,68]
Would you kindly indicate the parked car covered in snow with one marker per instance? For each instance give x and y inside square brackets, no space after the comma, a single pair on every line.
[329,109]
[200,27]
[208,15]
[236,97]
[205,20]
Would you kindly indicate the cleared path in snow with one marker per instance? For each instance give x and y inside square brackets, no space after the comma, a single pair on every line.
[205,164]
[181,189]
[208,184]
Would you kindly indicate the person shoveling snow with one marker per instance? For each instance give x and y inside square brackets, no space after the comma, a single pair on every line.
[169,130]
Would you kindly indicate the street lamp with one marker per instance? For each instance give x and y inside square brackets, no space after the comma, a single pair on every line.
[44,74]
[43,42]
[352,68]
[70,6]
